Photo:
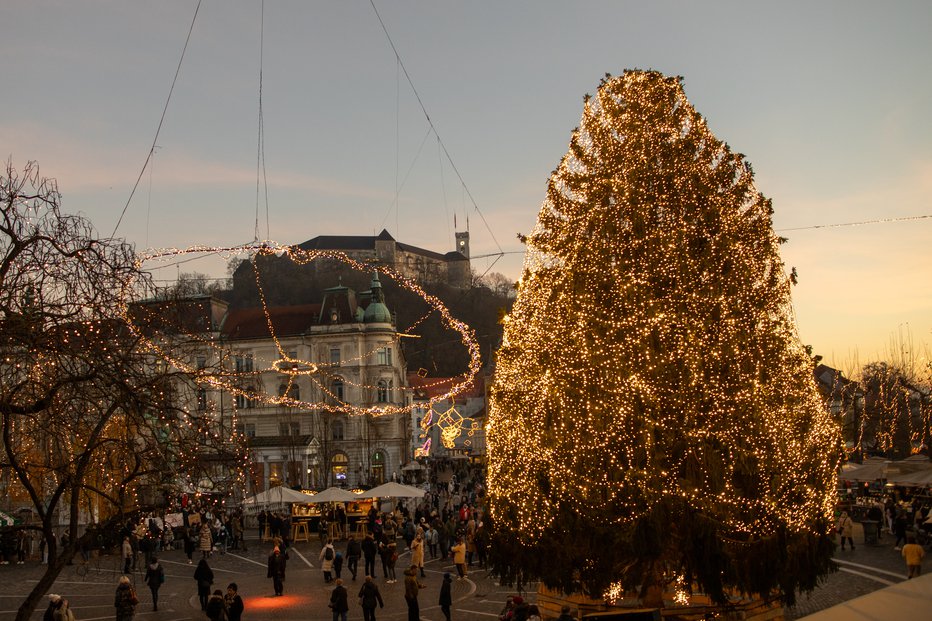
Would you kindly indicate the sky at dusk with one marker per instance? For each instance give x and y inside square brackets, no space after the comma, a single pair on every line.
[830,102]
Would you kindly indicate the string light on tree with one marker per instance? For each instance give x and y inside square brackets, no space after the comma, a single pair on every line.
[653,414]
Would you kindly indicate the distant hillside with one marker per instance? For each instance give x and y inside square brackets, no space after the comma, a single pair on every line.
[439,350]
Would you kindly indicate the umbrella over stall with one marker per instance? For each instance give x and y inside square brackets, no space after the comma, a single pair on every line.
[333,494]
[393,490]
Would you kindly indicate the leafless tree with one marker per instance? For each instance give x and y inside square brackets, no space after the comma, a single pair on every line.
[88,414]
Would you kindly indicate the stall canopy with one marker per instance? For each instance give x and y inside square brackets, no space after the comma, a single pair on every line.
[921,478]
[276,496]
[333,494]
[393,490]
[868,472]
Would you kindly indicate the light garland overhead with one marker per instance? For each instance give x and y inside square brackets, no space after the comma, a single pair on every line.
[287,365]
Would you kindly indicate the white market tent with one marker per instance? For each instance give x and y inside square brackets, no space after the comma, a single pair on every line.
[920,478]
[333,494]
[277,496]
[393,490]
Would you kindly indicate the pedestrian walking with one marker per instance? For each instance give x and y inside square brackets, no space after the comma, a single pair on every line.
[913,554]
[205,540]
[127,552]
[417,553]
[412,588]
[216,607]
[446,595]
[326,558]
[369,596]
[845,528]
[234,603]
[459,557]
[204,576]
[125,600]
[55,604]
[369,550]
[155,576]
[189,545]
[339,601]
[353,552]
[277,562]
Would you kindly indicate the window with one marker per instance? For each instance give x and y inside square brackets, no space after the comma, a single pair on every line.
[335,355]
[246,401]
[201,399]
[383,391]
[289,429]
[244,363]
[340,466]
[336,429]
[378,468]
[336,389]
[202,362]
[292,392]
[246,429]
[383,355]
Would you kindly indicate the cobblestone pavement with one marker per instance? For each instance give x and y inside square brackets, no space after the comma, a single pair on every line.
[306,595]
[478,598]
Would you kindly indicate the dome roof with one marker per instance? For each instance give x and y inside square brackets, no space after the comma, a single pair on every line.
[377,312]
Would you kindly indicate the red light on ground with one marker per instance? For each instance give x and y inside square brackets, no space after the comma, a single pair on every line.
[271,602]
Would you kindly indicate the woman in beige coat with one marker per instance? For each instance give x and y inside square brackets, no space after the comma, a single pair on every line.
[417,553]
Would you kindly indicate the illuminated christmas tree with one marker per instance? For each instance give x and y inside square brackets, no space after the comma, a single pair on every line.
[654,418]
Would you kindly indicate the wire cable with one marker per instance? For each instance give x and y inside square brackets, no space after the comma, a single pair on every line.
[431,123]
[161,120]
[861,223]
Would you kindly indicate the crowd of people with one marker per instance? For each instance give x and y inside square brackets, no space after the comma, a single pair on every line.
[445,525]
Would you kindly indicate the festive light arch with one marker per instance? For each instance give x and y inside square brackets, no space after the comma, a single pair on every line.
[285,364]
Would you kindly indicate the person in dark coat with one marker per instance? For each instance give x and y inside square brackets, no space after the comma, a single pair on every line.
[565,614]
[353,552]
[155,576]
[339,601]
[204,576]
[368,597]
[277,561]
[369,550]
[446,596]
[412,588]
[55,604]
[216,608]
[125,600]
[234,603]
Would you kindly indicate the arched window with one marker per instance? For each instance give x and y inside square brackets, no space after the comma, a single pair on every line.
[339,466]
[378,468]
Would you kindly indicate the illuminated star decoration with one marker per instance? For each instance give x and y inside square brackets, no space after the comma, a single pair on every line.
[451,424]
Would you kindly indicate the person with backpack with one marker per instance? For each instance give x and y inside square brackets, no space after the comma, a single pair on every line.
[327,554]
[155,576]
